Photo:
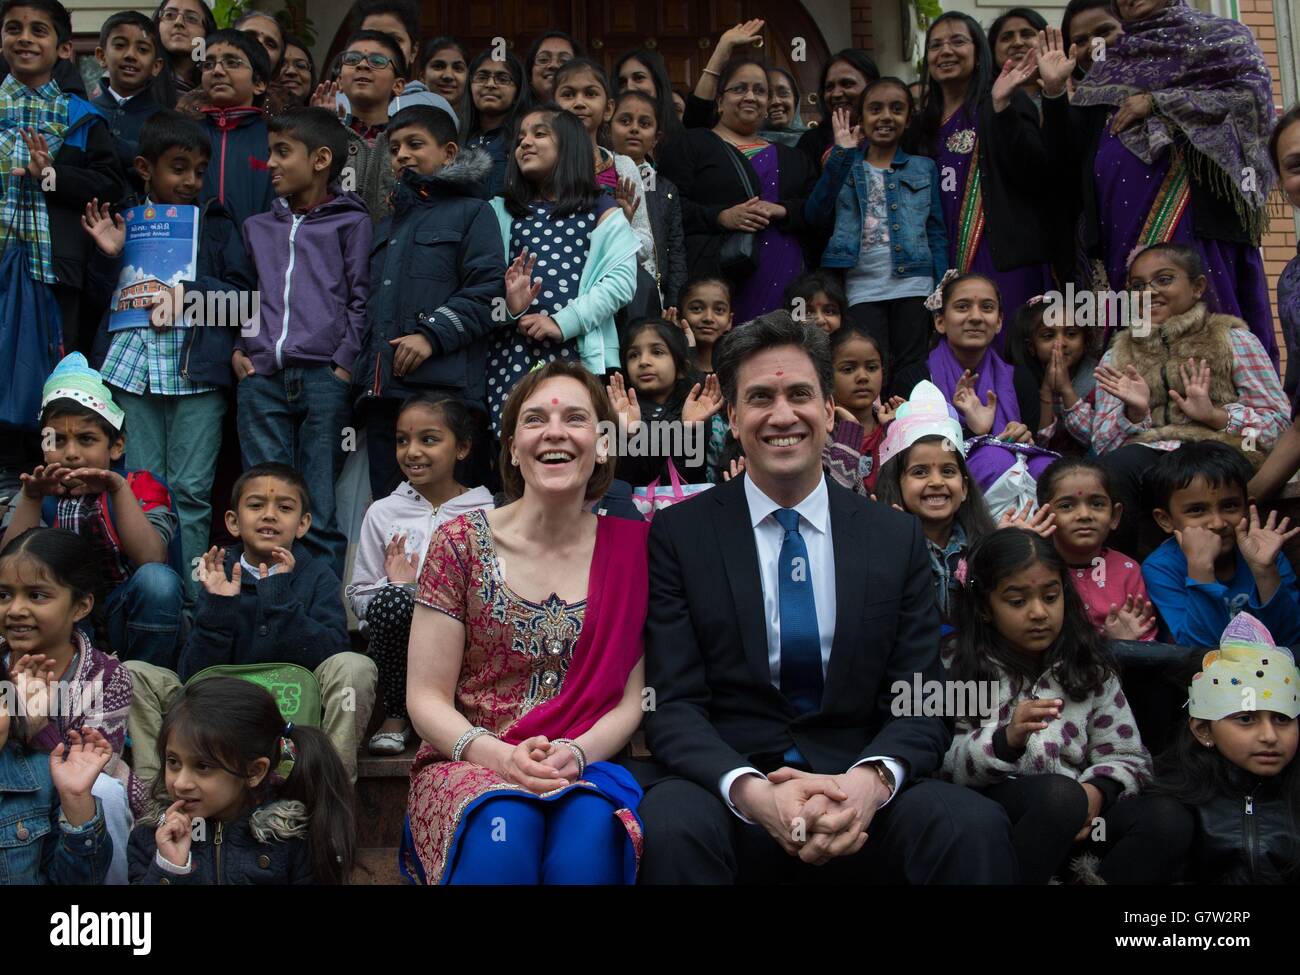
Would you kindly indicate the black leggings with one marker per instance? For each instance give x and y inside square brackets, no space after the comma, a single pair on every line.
[1141,840]
[901,327]
[388,617]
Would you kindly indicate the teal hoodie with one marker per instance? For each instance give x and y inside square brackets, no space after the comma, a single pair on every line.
[608,283]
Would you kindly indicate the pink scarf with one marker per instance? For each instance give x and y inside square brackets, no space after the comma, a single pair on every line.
[618,591]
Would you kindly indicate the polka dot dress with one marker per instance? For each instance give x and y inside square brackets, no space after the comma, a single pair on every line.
[561,245]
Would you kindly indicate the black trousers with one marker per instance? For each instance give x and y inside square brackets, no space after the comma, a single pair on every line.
[1138,534]
[931,833]
[1140,840]
[902,328]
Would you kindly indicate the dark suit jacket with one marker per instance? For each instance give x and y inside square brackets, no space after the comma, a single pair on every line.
[715,707]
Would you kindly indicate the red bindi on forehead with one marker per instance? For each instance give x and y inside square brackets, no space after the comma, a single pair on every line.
[780,372]
[554,401]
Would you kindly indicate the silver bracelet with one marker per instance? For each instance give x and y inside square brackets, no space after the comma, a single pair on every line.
[578,753]
[463,742]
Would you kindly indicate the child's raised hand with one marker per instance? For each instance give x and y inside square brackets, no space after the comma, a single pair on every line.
[398,566]
[282,563]
[409,352]
[1132,621]
[885,415]
[39,152]
[32,677]
[1056,61]
[1128,387]
[623,398]
[1029,717]
[521,288]
[541,328]
[106,229]
[847,135]
[175,833]
[979,416]
[1043,521]
[326,96]
[92,480]
[626,197]
[46,480]
[1195,402]
[734,469]
[75,767]
[1200,548]
[1260,544]
[703,401]
[212,573]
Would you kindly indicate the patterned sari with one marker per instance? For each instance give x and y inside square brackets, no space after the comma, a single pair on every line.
[550,668]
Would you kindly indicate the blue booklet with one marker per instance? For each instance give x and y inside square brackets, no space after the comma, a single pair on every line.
[161,250]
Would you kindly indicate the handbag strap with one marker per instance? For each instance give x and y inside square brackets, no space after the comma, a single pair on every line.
[732,153]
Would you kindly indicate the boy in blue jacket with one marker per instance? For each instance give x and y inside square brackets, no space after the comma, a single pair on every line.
[58,152]
[269,601]
[1220,558]
[171,378]
[235,76]
[295,371]
[131,54]
[436,267]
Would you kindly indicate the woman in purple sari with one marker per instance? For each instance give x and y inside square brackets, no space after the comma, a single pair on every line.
[733,182]
[1170,137]
[983,135]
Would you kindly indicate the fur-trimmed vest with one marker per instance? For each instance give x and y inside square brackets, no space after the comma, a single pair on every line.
[1196,333]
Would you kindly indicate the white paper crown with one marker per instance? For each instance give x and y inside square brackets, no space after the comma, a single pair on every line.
[1246,673]
[925,414]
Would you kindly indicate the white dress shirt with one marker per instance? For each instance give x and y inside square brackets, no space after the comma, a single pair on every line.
[815,528]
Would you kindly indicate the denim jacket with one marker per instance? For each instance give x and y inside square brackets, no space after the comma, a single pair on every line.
[916,230]
[946,564]
[37,845]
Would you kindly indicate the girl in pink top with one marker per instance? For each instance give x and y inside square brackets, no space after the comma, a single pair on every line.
[1109,582]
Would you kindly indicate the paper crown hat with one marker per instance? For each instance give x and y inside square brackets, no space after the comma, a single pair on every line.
[925,414]
[1246,673]
[74,379]
[417,94]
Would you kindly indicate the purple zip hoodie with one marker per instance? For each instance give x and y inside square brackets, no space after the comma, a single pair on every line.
[313,275]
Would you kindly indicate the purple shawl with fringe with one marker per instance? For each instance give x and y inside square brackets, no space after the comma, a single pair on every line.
[994,373]
[1210,86]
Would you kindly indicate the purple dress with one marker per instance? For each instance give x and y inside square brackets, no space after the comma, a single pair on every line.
[780,258]
[1288,309]
[1127,188]
[1018,285]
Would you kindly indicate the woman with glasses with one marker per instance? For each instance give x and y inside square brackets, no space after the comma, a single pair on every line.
[297,71]
[180,23]
[742,197]
[496,96]
[784,124]
[984,136]
[1166,139]
[545,57]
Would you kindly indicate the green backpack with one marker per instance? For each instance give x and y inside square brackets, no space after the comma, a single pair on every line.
[294,688]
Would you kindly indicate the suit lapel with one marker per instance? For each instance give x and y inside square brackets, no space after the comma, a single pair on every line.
[850,546]
[740,556]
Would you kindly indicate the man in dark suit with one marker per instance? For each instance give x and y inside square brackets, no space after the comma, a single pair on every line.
[783,610]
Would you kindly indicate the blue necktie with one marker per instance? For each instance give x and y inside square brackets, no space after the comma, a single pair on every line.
[801,645]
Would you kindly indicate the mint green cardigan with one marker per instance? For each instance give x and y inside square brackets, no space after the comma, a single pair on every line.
[608,283]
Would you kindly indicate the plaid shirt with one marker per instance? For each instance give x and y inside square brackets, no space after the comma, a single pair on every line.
[1261,405]
[22,214]
[148,360]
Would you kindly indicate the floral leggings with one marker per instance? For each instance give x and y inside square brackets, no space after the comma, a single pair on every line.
[388,618]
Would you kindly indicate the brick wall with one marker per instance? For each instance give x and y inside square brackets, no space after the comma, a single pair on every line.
[863,36]
[1280,240]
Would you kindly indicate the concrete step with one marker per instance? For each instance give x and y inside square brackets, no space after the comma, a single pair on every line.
[377,867]
[383,783]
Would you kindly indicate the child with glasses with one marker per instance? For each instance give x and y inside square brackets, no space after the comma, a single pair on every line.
[496,95]
[235,74]
[1180,373]
[181,25]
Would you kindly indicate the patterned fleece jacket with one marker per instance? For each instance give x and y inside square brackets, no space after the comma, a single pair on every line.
[1093,740]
